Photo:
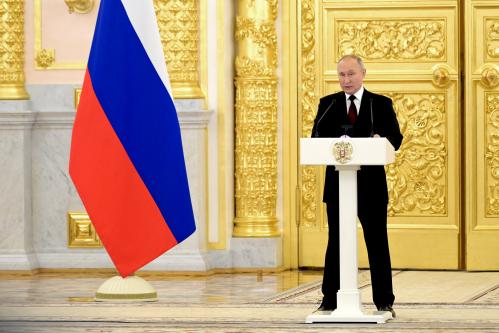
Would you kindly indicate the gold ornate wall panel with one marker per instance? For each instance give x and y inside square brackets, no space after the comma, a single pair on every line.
[482,139]
[12,55]
[415,49]
[256,120]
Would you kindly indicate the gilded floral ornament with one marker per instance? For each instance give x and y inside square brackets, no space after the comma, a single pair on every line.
[492,154]
[79,6]
[309,174]
[45,57]
[392,39]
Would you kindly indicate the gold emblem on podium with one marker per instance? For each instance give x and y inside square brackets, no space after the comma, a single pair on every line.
[342,151]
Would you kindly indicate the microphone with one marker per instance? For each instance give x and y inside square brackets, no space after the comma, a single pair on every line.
[315,134]
[372,122]
[346,128]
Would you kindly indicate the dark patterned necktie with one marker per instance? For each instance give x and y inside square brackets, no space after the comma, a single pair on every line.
[352,110]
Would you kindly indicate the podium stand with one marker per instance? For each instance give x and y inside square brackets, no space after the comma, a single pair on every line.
[347,155]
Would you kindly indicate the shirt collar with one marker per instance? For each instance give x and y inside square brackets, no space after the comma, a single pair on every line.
[358,94]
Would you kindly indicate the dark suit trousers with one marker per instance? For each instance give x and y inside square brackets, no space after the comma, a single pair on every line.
[373,219]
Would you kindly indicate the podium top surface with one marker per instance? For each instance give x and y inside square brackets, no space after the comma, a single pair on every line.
[346,151]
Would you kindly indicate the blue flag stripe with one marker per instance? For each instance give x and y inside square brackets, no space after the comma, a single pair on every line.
[142,114]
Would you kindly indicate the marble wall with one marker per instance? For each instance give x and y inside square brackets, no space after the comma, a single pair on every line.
[36,191]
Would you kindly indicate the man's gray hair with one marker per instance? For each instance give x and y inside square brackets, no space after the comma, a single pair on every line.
[353,56]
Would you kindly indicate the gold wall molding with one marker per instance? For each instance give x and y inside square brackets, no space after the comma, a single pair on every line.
[45,58]
[256,120]
[309,175]
[79,6]
[81,232]
[12,43]
[417,181]
[179,27]
[392,39]
[492,154]
[492,36]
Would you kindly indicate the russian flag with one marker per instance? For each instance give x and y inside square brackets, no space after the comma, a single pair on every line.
[126,157]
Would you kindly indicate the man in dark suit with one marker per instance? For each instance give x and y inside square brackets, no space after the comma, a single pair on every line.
[356,112]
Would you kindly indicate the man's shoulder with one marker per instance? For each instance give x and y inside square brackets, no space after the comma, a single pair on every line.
[330,97]
[378,96]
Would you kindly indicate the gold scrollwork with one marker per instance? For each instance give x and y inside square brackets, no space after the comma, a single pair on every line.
[417,180]
[492,26]
[393,39]
[79,6]
[309,174]
[490,76]
[492,154]
[441,76]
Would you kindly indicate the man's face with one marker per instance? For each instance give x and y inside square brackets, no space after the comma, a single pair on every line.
[351,75]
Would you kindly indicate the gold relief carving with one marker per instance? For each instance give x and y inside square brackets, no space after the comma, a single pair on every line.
[492,35]
[81,232]
[45,57]
[392,39]
[178,22]
[417,183]
[308,110]
[441,76]
[79,6]
[492,154]
[12,45]
[248,67]
[490,76]
[256,120]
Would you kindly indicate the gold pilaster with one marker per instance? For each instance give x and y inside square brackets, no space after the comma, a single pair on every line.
[12,45]
[256,120]
[178,22]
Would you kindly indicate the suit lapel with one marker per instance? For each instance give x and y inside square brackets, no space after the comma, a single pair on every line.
[365,109]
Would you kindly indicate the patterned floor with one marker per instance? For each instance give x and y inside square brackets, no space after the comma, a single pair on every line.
[426,302]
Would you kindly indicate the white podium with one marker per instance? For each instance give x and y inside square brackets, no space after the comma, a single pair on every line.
[347,155]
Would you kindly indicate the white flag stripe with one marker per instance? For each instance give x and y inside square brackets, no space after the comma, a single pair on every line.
[143,18]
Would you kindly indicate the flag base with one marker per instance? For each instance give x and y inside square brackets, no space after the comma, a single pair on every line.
[129,289]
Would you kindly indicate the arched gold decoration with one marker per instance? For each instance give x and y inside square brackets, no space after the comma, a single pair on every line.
[79,6]
[441,76]
[309,175]
[256,120]
[392,39]
[492,154]
[178,22]
[490,76]
[417,180]
[12,56]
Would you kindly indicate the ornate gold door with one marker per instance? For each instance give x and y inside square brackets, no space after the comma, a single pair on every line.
[412,55]
[482,134]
